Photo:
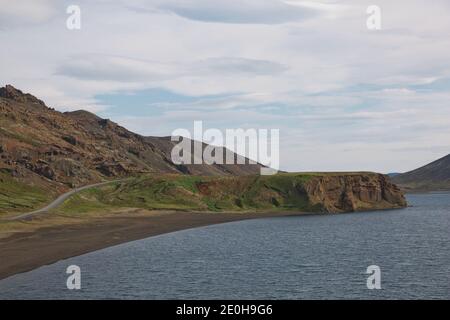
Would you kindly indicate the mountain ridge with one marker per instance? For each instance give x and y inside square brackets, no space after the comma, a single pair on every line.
[59,151]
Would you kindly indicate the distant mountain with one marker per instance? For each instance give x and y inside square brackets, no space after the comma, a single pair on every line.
[393,174]
[432,177]
[55,150]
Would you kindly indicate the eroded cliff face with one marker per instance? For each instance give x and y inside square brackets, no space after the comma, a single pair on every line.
[354,192]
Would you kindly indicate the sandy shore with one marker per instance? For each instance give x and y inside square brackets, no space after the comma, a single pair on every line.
[25,251]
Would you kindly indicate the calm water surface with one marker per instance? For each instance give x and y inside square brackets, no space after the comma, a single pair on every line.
[315,257]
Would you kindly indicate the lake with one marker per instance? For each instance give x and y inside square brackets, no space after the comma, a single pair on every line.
[300,257]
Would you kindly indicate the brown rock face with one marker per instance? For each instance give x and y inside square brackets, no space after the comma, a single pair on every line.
[354,192]
[9,92]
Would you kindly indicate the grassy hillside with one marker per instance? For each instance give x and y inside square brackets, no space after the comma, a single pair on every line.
[16,196]
[178,192]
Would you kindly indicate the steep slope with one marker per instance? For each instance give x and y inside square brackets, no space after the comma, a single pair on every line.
[76,148]
[431,177]
[303,192]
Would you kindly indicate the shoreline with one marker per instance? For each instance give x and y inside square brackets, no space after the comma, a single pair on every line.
[25,251]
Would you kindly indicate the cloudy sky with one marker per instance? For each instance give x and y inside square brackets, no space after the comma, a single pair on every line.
[344,97]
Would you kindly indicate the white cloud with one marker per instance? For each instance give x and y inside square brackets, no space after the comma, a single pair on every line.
[231,11]
[115,68]
[22,12]
[237,65]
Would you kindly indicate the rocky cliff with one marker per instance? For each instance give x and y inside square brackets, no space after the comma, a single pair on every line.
[354,192]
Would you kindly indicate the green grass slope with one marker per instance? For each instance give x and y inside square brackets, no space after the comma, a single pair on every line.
[16,196]
[180,192]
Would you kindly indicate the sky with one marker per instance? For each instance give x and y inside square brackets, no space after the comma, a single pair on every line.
[343,97]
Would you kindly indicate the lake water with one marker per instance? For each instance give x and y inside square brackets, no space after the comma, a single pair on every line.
[304,257]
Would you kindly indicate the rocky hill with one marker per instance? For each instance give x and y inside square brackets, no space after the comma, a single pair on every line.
[431,177]
[44,152]
[76,148]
